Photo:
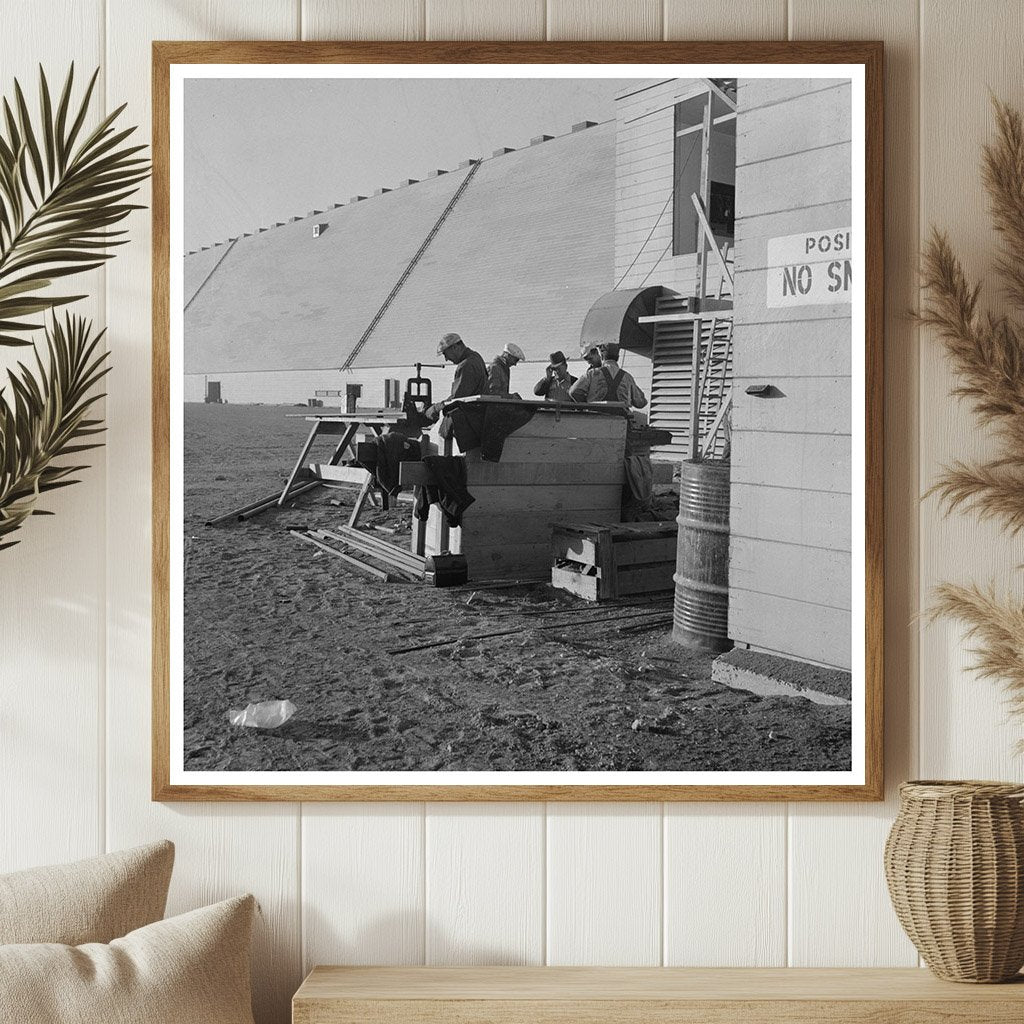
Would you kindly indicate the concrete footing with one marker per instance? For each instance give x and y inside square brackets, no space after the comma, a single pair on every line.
[769,675]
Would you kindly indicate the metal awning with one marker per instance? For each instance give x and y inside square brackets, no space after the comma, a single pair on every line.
[615,318]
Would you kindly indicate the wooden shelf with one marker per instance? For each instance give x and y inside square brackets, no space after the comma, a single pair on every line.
[627,995]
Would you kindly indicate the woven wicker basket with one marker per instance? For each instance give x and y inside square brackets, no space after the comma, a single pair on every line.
[954,861]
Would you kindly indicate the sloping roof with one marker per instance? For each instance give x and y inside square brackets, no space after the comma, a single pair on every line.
[524,253]
[198,267]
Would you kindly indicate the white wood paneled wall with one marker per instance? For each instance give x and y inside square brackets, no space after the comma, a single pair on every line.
[741,884]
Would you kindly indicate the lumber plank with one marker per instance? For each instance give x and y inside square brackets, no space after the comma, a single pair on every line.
[558,449]
[363,567]
[608,587]
[575,583]
[514,500]
[500,528]
[377,546]
[534,474]
[364,494]
[576,426]
[332,428]
[265,506]
[300,463]
[499,560]
[624,554]
[342,474]
[521,474]
[645,551]
[259,505]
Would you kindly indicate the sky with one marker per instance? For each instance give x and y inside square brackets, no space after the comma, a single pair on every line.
[258,151]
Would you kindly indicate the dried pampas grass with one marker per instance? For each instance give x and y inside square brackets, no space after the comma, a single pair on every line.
[987,354]
[996,628]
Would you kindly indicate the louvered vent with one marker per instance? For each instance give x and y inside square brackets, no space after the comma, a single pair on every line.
[672,375]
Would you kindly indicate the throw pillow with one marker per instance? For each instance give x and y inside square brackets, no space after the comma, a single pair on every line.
[92,900]
[190,969]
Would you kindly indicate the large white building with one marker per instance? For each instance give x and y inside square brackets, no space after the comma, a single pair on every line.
[301,309]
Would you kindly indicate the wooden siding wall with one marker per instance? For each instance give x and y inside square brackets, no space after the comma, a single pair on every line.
[736,884]
[790,588]
[644,173]
[644,182]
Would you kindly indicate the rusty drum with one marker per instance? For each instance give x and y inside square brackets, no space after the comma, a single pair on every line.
[701,612]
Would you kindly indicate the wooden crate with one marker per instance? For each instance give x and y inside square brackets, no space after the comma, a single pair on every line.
[598,561]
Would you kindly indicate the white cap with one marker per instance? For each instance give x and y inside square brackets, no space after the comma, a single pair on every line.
[447,342]
[515,351]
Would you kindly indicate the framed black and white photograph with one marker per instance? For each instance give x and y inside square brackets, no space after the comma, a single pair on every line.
[517,421]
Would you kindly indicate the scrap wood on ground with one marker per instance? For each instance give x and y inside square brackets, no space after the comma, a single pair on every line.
[567,685]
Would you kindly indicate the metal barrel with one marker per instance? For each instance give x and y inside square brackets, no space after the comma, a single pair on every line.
[701,613]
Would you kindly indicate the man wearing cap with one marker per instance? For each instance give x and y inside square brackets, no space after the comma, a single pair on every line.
[555,384]
[608,383]
[592,355]
[498,376]
[470,375]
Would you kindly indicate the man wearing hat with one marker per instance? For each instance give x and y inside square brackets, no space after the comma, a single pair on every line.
[498,376]
[609,383]
[555,384]
[470,375]
[592,355]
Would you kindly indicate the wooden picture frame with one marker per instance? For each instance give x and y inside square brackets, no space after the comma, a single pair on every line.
[867,56]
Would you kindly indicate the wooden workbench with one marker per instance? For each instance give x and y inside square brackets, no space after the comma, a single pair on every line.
[647,995]
[345,426]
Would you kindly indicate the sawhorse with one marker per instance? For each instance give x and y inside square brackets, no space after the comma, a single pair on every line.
[344,426]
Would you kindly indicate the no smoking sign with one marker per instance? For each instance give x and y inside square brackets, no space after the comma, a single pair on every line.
[810,269]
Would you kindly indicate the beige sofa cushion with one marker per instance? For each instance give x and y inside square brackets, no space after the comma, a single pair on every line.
[93,900]
[191,969]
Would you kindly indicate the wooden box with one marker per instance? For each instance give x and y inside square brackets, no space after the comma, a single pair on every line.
[565,465]
[600,562]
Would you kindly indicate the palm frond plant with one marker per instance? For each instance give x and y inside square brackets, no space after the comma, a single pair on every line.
[48,417]
[63,190]
[986,350]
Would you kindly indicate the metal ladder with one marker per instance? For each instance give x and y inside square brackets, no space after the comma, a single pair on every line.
[378,316]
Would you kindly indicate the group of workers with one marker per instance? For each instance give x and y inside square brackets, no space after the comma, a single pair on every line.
[603,380]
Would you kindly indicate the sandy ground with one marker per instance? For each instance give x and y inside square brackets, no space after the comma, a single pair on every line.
[577,687]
